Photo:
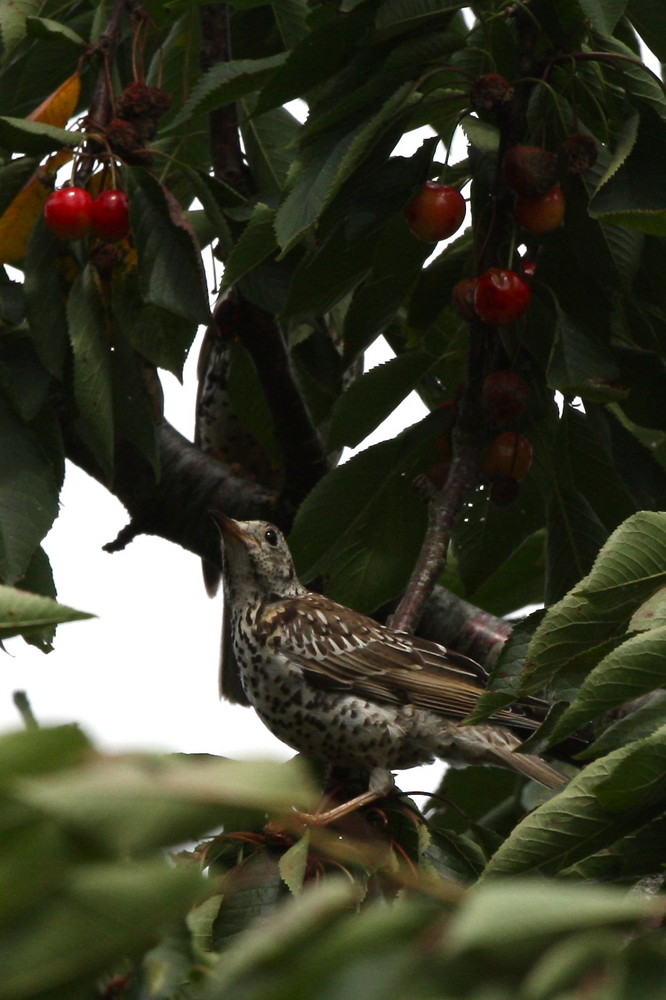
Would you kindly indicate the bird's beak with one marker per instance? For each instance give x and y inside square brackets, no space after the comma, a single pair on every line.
[229,527]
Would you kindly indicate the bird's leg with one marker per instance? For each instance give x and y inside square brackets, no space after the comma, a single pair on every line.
[381,784]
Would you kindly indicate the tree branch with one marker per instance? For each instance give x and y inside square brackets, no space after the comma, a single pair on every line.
[176,507]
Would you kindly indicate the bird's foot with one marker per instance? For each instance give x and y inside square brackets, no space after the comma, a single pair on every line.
[381,784]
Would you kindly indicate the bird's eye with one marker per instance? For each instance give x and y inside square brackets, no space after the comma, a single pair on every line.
[271,536]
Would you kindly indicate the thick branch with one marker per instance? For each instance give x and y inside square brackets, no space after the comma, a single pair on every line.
[190,485]
[302,449]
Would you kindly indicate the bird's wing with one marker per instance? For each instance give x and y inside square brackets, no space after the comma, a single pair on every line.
[336,647]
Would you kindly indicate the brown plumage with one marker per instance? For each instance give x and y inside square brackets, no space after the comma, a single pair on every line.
[337,685]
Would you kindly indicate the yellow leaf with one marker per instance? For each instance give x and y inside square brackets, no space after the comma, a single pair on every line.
[18,219]
[59,106]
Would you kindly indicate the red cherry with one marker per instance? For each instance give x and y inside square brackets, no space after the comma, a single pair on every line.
[436,212]
[110,215]
[68,212]
[462,298]
[504,395]
[508,457]
[501,296]
[541,215]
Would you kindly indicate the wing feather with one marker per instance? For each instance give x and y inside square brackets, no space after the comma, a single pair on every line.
[339,648]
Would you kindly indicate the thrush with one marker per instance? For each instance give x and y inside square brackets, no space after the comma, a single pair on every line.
[340,687]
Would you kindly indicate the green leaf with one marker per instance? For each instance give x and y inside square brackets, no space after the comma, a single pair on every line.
[397,263]
[637,782]
[632,669]
[270,143]
[256,243]
[629,568]
[134,414]
[293,864]
[13,18]
[398,17]
[641,722]
[519,916]
[578,364]
[603,15]
[320,174]
[89,336]
[483,135]
[130,804]
[45,293]
[574,824]
[170,270]
[635,194]
[102,911]
[29,615]
[18,135]
[226,82]
[371,398]
[28,494]
[363,524]
[44,27]
[323,50]
[42,751]
[505,681]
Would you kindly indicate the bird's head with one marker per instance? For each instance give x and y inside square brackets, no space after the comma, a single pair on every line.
[256,556]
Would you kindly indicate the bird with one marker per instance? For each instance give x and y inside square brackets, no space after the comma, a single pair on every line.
[340,687]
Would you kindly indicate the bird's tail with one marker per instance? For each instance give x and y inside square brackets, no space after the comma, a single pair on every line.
[532,767]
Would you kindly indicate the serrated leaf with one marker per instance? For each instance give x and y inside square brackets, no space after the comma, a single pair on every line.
[651,614]
[45,27]
[629,568]
[637,783]
[641,722]
[504,682]
[572,825]
[630,670]
[635,194]
[45,298]
[372,397]
[483,135]
[270,143]
[256,243]
[170,270]
[226,82]
[89,336]
[321,174]
[19,135]
[26,614]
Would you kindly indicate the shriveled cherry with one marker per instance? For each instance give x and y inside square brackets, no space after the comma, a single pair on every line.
[504,395]
[462,298]
[490,91]
[68,212]
[508,457]
[501,296]
[110,215]
[436,212]
[580,152]
[541,215]
[530,171]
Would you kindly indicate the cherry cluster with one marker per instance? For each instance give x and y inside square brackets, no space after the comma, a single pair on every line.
[72,212]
